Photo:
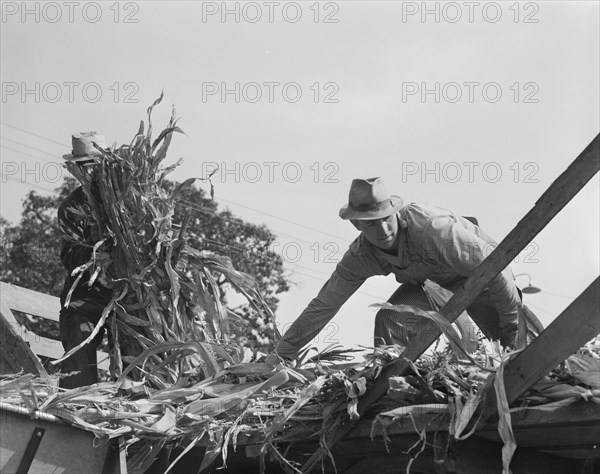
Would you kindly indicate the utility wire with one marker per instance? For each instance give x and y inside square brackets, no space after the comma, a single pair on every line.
[241,249]
[224,244]
[358,291]
[283,219]
[222,199]
[259,256]
[197,207]
[572,298]
[185,201]
[541,309]
[27,146]
[31,156]
[190,204]
[34,134]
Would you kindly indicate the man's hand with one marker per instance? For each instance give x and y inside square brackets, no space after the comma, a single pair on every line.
[509,338]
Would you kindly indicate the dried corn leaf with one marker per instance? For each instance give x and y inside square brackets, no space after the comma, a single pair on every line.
[504,421]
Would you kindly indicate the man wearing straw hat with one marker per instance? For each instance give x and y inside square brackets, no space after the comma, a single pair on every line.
[86,303]
[415,242]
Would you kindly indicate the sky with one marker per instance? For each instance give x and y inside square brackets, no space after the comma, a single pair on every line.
[474,107]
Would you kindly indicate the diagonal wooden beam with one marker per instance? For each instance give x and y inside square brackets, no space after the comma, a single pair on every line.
[556,197]
[15,354]
[576,325]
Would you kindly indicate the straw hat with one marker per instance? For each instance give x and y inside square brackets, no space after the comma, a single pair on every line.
[83,146]
[369,199]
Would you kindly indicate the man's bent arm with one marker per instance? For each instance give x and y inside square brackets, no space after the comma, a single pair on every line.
[463,251]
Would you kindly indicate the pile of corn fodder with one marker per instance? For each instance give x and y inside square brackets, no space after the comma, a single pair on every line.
[254,403]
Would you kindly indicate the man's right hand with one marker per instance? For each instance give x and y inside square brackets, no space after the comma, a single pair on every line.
[509,339]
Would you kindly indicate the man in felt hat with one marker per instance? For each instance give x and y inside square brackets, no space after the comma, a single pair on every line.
[415,242]
[80,233]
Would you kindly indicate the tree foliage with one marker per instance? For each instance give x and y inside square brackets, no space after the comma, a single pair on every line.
[31,253]
[31,249]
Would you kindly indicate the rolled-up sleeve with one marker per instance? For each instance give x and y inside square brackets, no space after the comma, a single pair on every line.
[349,275]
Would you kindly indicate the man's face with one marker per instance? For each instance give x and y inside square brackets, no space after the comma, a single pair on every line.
[380,232]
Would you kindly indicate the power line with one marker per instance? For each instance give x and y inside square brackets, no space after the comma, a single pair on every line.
[284,220]
[324,281]
[190,204]
[194,206]
[224,244]
[226,200]
[35,134]
[27,146]
[358,291]
[197,208]
[556,294]
[541,309]
[27,154]
[241,249]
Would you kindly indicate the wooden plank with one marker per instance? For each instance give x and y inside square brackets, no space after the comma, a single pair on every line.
[583,416]
[575,413]
[555,198]
[570,431]
[41,305]
[15,354]
[63,448]
[30,302]
[472,456]
[51,348]
[567,430]
[556,438]
[586,454]
[42,345]
[575,326]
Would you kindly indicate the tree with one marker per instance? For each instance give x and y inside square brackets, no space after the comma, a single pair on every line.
[31,250]
[31,253]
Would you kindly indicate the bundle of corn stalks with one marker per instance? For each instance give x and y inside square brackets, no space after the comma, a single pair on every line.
[165,295]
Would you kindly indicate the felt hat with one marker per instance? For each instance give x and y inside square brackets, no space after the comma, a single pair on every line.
[83,146]
[369,199]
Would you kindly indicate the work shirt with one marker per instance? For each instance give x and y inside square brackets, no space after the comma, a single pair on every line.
[432,243]
[75,222]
